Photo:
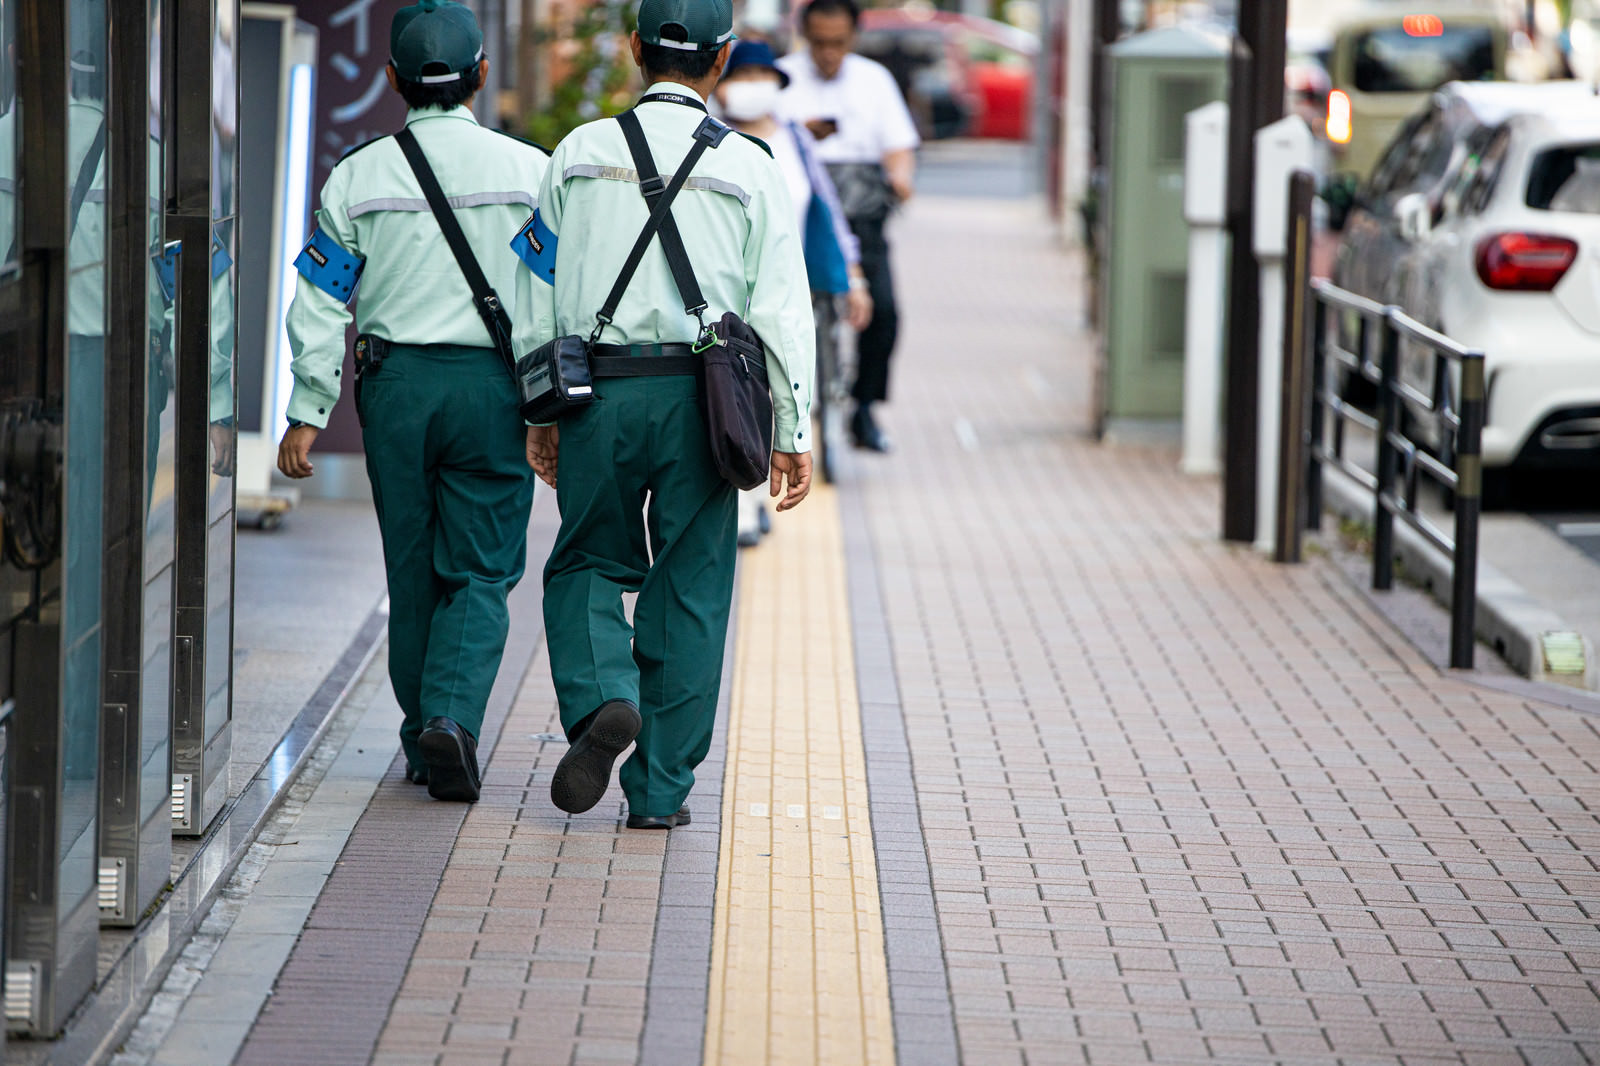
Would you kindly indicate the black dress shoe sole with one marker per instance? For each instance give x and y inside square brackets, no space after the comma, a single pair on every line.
[451,773]
[671,821]
[584,773]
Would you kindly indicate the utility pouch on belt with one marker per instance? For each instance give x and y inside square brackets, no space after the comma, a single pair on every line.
[555,378]
[371,351]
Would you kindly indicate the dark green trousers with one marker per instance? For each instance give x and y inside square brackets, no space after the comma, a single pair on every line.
[642,510]
[452,486]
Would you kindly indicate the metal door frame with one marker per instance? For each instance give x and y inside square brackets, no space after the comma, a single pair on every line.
[199,763]
[135,851]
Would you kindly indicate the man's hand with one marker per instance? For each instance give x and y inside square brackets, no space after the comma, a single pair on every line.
[860,308]
[822,128]
[544,448]
[294,454]
[797,469]
[222,447]
[900,167]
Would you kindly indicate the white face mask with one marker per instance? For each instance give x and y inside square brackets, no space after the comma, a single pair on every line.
[749,100]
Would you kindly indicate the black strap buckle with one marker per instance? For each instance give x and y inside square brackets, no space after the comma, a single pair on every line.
[652,186]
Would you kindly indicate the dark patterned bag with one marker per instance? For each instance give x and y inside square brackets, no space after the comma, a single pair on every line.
[737,402]
[864,190]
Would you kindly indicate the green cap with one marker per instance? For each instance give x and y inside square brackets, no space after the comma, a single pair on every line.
[434,41]
[688,25]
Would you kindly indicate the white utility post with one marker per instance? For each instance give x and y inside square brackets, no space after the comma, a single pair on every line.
[1077,122]
[1205,208]
[1281,149]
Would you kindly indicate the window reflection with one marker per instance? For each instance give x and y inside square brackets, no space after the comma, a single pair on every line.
[8,137]
[84,417]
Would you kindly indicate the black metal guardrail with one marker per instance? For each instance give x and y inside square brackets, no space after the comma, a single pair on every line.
[1315,415]
[1452,401]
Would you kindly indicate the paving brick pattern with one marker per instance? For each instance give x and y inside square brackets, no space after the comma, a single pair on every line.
[1180,804]
[336,991]
[538,945]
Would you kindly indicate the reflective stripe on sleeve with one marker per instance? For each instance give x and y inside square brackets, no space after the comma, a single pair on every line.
[604,173]
[417,203]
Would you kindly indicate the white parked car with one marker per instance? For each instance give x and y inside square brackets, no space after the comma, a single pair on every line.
[1504,256]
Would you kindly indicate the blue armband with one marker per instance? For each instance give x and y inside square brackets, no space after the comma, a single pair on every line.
[166,264]
[221,261]
[326,264]
[535,245]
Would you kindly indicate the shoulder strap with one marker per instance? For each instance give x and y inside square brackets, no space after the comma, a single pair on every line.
[660,198]
[484,298]
[86,172]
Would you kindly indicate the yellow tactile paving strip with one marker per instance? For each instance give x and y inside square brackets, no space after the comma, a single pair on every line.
[798,973]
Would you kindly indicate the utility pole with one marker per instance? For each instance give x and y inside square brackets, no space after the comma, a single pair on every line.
[1255,99]
[1107,28]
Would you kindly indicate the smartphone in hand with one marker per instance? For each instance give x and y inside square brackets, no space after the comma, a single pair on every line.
[823,128]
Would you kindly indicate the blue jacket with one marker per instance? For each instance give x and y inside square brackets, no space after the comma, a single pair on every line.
[831,249]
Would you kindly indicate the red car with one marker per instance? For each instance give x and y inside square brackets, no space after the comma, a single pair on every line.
[961,75]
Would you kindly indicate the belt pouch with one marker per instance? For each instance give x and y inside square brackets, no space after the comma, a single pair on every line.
[371,351]
[554,379]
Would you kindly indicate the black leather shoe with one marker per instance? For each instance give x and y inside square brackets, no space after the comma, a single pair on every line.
[452,757]
[417,775]
[671,821]
[864,431]
[584,773]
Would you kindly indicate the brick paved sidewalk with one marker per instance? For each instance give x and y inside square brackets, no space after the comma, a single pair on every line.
[1135,795]
[1182,804]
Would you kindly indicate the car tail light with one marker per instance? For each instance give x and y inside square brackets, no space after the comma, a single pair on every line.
[1423,25]
[1339,128]
[1525,262]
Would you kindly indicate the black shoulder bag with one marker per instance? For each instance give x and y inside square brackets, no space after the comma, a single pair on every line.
[484,299]
[733,363]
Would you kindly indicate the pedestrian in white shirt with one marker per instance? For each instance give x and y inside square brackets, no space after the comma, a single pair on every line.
[865,135]
[748,96]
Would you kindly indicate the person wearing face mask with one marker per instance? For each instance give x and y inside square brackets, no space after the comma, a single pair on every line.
[748,96]
[866,137]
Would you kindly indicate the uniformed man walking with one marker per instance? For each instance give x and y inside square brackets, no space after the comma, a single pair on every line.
[437,403]
[643,508]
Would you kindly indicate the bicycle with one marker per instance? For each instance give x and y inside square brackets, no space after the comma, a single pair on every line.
[835,360]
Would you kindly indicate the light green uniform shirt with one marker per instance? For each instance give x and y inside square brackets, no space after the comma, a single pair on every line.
[738,228]
[412,291]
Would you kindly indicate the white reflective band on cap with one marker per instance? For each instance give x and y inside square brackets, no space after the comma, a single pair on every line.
[83,68]
[440,79]
[684,46]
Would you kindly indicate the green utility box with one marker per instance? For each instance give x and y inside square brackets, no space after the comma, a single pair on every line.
[1157,79]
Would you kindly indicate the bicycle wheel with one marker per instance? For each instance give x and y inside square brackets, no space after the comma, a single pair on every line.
[825,403]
